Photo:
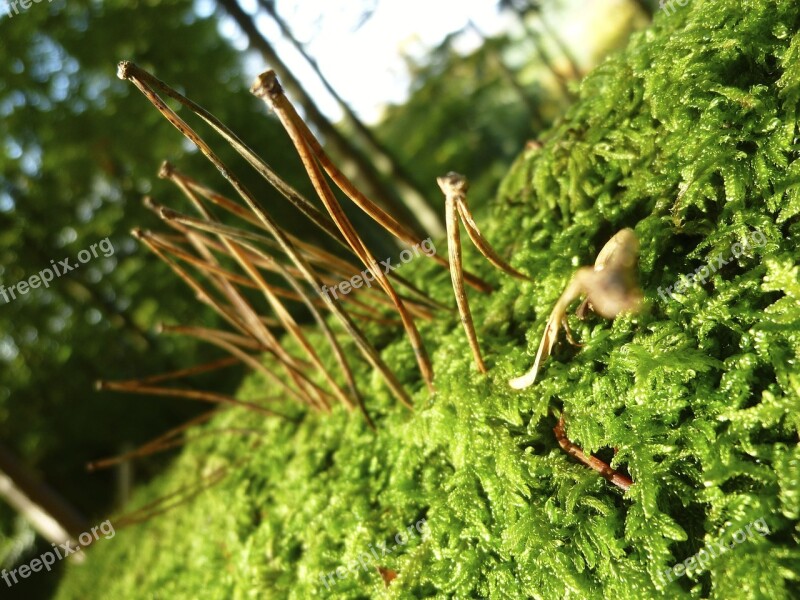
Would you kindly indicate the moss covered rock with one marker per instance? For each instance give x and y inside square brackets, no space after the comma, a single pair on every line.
[689,137]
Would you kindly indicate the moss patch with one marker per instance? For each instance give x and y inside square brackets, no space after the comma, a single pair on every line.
[689,137]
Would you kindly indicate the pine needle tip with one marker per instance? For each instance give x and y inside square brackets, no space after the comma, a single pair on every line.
[123,69]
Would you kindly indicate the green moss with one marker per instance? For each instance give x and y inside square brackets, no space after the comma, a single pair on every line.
[689,136]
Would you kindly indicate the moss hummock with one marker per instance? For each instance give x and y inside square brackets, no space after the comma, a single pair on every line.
[690,137]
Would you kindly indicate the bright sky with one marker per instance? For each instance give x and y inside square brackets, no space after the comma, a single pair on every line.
[365,64]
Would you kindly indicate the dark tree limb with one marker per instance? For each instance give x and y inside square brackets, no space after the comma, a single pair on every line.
[48,512]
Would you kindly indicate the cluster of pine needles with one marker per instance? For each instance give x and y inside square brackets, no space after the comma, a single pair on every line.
[224,263]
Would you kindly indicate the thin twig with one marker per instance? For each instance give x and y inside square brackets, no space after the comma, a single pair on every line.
[590,461]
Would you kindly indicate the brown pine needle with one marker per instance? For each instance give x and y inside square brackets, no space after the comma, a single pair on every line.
[144,80]
[174,217]
[269,263]
[202,265]
[450,187]
[318,256]
[261,333]
[292,327]
[315,215]
[154,445]
[267,87]
[129,71]
[221,340]
[283,315]
[459,186]
[323,324]
[201,293]
[197,395]
[315,255]
[257,326]
[605,471]
[188,372]
[295,369]
[240,341]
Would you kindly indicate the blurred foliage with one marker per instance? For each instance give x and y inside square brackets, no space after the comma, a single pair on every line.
[689,136]
[465,115]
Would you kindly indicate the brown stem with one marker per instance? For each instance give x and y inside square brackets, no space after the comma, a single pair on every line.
[590,461]
[267,87]
[454,254]
[197,395]
[460,197]
[382,156]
